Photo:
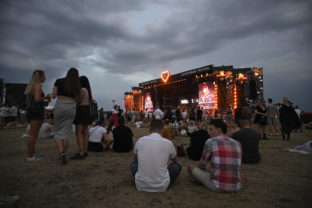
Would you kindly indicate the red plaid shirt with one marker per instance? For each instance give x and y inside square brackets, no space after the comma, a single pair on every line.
[225,155]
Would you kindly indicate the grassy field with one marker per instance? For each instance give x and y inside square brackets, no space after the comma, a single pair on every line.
[282,179]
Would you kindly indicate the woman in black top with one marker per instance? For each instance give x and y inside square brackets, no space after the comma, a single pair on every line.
[261,118]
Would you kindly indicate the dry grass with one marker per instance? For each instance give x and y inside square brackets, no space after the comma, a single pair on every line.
[282,179]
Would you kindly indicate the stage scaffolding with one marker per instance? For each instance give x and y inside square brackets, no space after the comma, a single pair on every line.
[229,88]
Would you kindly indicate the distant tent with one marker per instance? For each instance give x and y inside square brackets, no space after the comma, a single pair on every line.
[15,94]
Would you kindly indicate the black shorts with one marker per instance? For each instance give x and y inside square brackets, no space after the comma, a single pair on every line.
[35,116]
[95,147]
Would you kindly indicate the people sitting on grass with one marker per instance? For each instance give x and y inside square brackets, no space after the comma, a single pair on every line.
[122,137]
[225,155]
[139,124]
[110,127]
[249,139]
[98,137]
[151,154]
[191,127]
[197,141]
[168,130]
[235,127]
[46,130]
[183,128]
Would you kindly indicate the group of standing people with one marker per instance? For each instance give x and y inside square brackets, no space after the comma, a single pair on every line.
[279,116]
[74,96]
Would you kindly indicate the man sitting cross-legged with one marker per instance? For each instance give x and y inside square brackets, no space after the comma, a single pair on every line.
[225,155]
[151,155]
[249,139]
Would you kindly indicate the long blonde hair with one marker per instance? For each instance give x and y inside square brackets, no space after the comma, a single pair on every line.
[35,78]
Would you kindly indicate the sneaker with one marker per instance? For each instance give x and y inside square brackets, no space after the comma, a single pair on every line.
[63,158]
[25,136]
[38,154]
[34,158]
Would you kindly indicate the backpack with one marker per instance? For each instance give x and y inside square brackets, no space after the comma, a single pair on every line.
[93,111]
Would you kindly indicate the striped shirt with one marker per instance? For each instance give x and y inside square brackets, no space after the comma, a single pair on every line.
[225,155]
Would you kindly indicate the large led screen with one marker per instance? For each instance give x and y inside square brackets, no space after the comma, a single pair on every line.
[148,103]
[206,95]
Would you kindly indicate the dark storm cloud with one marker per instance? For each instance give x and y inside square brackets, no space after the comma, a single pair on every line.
[60,31]
[202,27]
[46,31]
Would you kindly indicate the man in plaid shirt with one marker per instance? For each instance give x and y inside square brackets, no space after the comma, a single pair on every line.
[225,156]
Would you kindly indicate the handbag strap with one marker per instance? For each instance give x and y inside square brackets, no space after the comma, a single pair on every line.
[93,131]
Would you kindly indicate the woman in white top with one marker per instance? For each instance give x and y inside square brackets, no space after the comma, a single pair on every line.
[83,119]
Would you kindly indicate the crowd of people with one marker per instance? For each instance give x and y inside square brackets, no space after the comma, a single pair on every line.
[224,138]
[73,96]
[10,115]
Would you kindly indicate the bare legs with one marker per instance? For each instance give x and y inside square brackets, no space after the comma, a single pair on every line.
[262,130]
[62,145]
[82,134]
[106,143]
[35,126]
[273,129]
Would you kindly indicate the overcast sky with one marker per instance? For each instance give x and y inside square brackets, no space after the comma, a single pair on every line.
[120,43]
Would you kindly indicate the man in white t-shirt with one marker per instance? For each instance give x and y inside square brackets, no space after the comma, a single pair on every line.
[158,114]
[151,155]
[98,138]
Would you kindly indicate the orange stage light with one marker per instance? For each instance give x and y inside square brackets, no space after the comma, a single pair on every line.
[216,94]
[221,74]
[256,72]
[241,76]
[235,97]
